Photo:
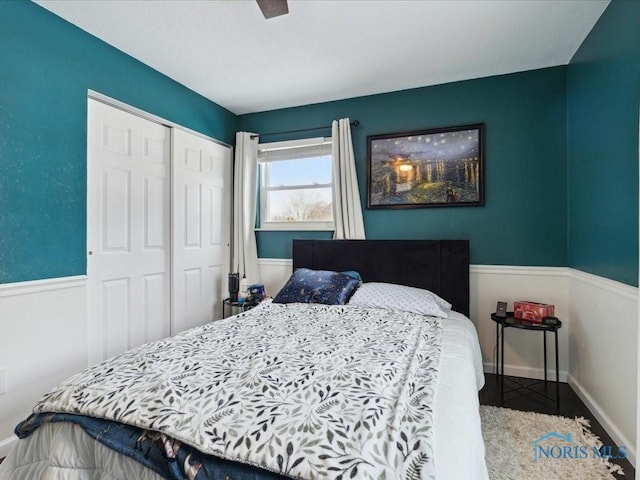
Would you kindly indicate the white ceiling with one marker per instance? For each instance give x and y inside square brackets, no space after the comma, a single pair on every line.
[333,49]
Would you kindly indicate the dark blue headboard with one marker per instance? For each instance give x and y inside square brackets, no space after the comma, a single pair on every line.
[441,266]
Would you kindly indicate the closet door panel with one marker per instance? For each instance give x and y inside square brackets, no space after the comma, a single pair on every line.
[201,216]
[128,237]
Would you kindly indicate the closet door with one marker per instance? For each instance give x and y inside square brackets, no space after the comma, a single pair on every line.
[128,236]
[201,194]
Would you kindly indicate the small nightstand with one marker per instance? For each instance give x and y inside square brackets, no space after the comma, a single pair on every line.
[227,303]
[511,322]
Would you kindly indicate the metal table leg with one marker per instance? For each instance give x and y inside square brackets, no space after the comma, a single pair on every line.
[544,336]
[502,367]
[497,363]
[557,373]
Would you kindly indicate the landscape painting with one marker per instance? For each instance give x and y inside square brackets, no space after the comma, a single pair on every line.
[429,168]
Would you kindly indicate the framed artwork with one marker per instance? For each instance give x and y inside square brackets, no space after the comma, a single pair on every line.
[440,167]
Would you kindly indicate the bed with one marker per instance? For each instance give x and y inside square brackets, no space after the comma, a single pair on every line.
[286,390]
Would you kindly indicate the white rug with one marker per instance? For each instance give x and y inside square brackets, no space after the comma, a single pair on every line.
[533,446]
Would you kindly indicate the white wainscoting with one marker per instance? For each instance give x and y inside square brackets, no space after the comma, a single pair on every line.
[603,349]
[274,273]
[523,348]
[43,341]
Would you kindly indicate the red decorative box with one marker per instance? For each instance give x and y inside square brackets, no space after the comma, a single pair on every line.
[532,311]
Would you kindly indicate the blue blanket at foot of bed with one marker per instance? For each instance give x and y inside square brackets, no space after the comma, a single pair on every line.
[167,457]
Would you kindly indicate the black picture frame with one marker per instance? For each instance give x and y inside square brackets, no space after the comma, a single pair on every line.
[437,167]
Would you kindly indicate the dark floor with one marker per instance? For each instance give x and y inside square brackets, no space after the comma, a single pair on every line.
[570,406]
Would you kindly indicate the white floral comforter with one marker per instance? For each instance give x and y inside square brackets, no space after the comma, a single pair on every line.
[309,391]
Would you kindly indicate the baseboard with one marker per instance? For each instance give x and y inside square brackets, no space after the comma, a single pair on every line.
[527,372]
[603,419]
[7,445]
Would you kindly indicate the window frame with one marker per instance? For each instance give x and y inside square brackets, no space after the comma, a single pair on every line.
[264,189]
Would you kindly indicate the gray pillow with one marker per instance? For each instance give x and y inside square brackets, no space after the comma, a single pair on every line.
[400,297]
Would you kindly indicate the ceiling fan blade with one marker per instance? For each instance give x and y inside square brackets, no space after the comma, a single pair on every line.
[273,8]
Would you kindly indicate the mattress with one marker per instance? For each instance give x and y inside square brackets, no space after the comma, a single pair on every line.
[64,451]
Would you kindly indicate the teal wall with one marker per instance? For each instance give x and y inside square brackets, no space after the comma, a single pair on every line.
[46,67]
[603,105]
[561,151]
[523,221]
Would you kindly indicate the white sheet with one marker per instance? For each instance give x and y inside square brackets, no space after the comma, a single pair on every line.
[459,447]
[458,444]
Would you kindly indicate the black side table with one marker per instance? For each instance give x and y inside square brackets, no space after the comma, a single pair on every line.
[510,321]
[227,303]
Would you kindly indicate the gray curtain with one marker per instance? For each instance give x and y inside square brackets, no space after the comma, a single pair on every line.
[245,252]
[347,211]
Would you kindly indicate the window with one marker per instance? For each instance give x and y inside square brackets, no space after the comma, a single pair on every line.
[296,185]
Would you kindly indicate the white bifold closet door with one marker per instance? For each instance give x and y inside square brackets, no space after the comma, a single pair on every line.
[201,216]
[157,230]
[128,231]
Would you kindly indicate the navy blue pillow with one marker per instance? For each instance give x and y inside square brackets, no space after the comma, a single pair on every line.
[317,286]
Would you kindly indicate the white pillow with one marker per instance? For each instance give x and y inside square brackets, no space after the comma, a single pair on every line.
[400,297]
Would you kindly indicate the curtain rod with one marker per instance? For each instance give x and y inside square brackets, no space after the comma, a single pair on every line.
[355,123]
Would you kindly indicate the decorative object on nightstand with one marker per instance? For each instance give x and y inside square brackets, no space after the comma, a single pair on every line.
[244,289]
[234,286]
[532,311]
[546,324]
[256,294]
